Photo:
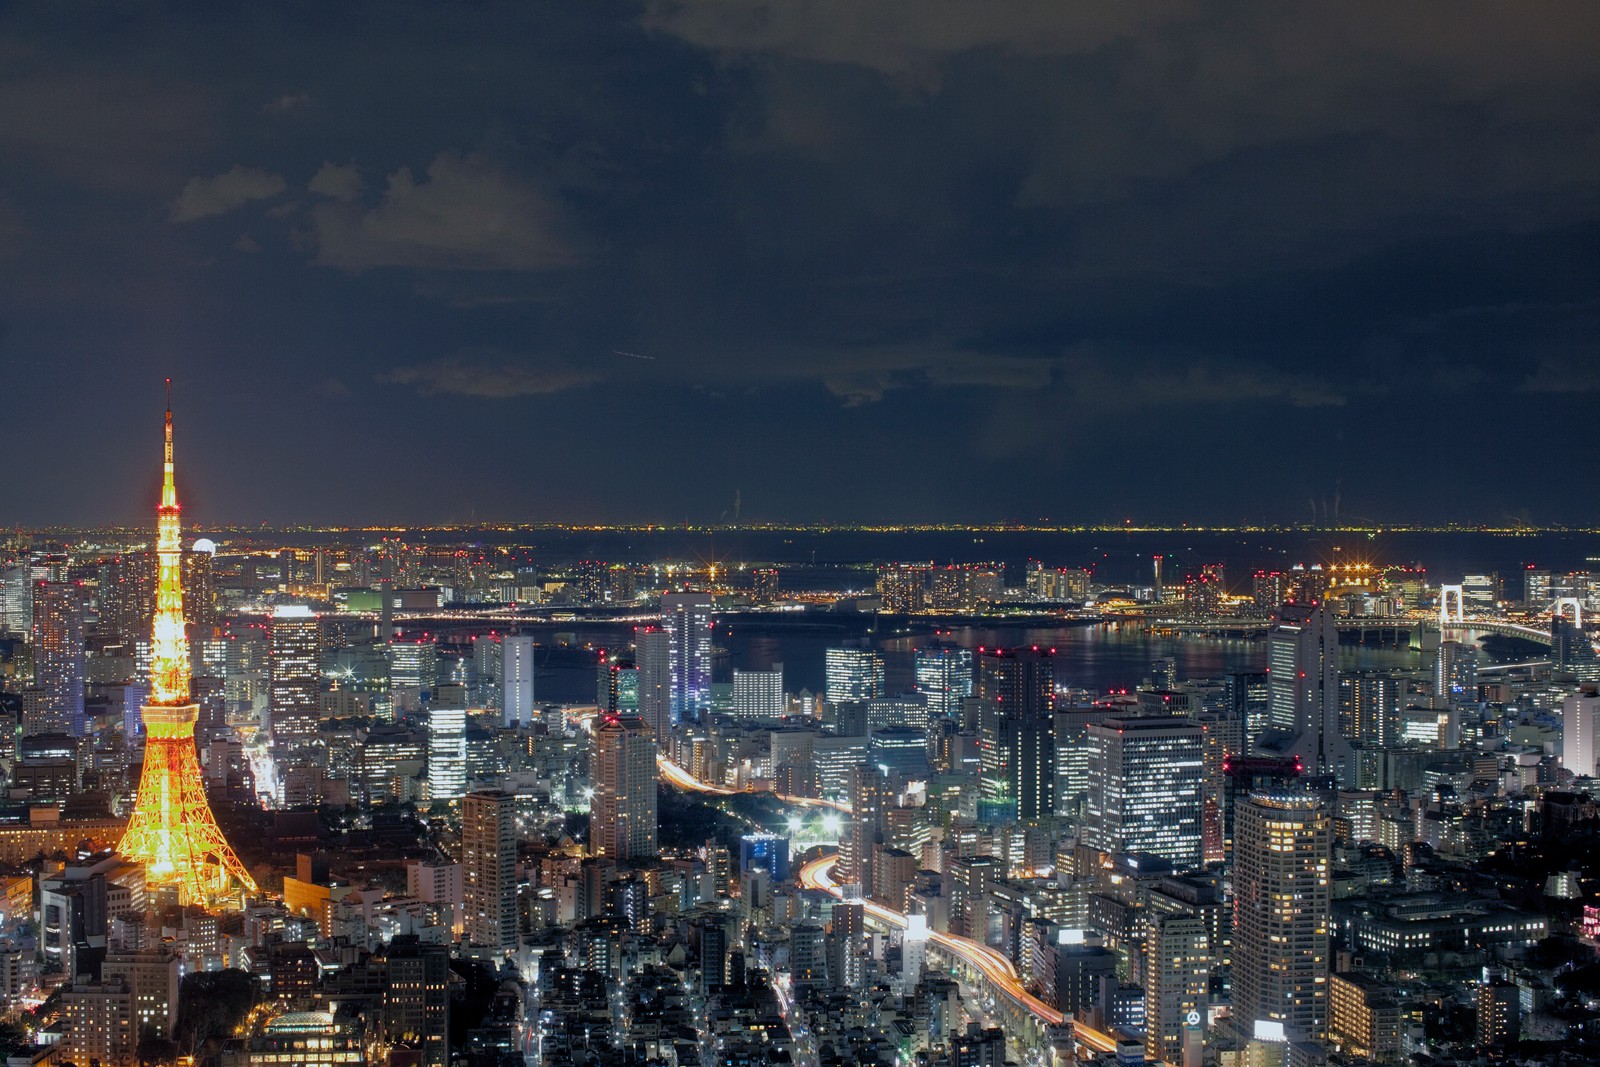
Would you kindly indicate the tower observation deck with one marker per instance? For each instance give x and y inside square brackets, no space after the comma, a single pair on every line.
[172,830]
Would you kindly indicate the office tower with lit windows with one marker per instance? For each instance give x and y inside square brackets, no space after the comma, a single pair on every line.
[1369,706]
[871,796]
[447,753]
[1571,651]
[294,653]
[852,675]
[1536,589]
[1282,914]
[1016,691]
[944,678]
[516,679]
[1455,672]
[616,686]
[1303,689]
[652,653]
[758,694]
[16,599]
[1146,777]
[686,617]
[489,869]
[622,819]
[58,660]
[413,669]
[1580,729]
[1176,973]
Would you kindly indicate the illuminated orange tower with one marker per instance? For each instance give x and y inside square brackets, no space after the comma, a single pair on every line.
[172,831]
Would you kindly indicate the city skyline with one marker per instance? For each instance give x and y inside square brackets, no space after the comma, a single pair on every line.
[1178,264]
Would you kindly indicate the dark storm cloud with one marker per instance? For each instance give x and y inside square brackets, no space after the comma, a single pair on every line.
[491,374]
[466,214]
[1127,249]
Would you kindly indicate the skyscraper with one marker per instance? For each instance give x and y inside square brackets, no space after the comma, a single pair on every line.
[1177,967]
[652,654]
[516,679]
[1455,672]
[944,678]
[852,675]
[622,820]
[447,753]
[57,659]
[1282,913]
[489,868]
[1571,651]
[871,795]
[1580,724]
[758,694]
[1303,691]
[294,672]
[1017,733]
[1145,783]
[686,617]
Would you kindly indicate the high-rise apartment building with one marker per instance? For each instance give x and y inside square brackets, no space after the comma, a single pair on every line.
[1016,688]
[58,655]
[903,588]
[1580,727]
[758,694]
[686,617]
[1282,914]
[294,654]
[1303,713]
[652,653]
[944,678]
[489,868]
[516,679]
[1146,777]
[1177,968]
[1455,672]
[871,795]
[622,820]
[852,675]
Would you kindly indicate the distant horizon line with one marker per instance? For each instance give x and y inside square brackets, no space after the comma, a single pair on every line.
[56,529]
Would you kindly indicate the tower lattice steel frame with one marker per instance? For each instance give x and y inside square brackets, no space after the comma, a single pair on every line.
[172,830]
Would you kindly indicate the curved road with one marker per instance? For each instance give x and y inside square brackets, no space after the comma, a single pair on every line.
[993,965]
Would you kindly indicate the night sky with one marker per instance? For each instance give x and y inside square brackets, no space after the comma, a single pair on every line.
[836,259]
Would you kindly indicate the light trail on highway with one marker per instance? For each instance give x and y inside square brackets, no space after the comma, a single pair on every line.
[818,874]
[675,775]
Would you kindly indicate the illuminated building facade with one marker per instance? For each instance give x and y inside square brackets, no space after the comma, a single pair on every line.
[171,829]
[1145,782]
[653,657]
[852,675]
[294,650]
[1282,913]
[447,753]
[622,821]
[58,656]
[489,869]
[944,678]
[686,617]
[516,679]
[1017,734]
[1303,687]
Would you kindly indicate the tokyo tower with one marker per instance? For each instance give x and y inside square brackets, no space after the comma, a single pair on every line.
[172,831]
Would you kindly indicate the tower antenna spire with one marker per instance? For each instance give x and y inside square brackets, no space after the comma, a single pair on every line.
[171,829]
